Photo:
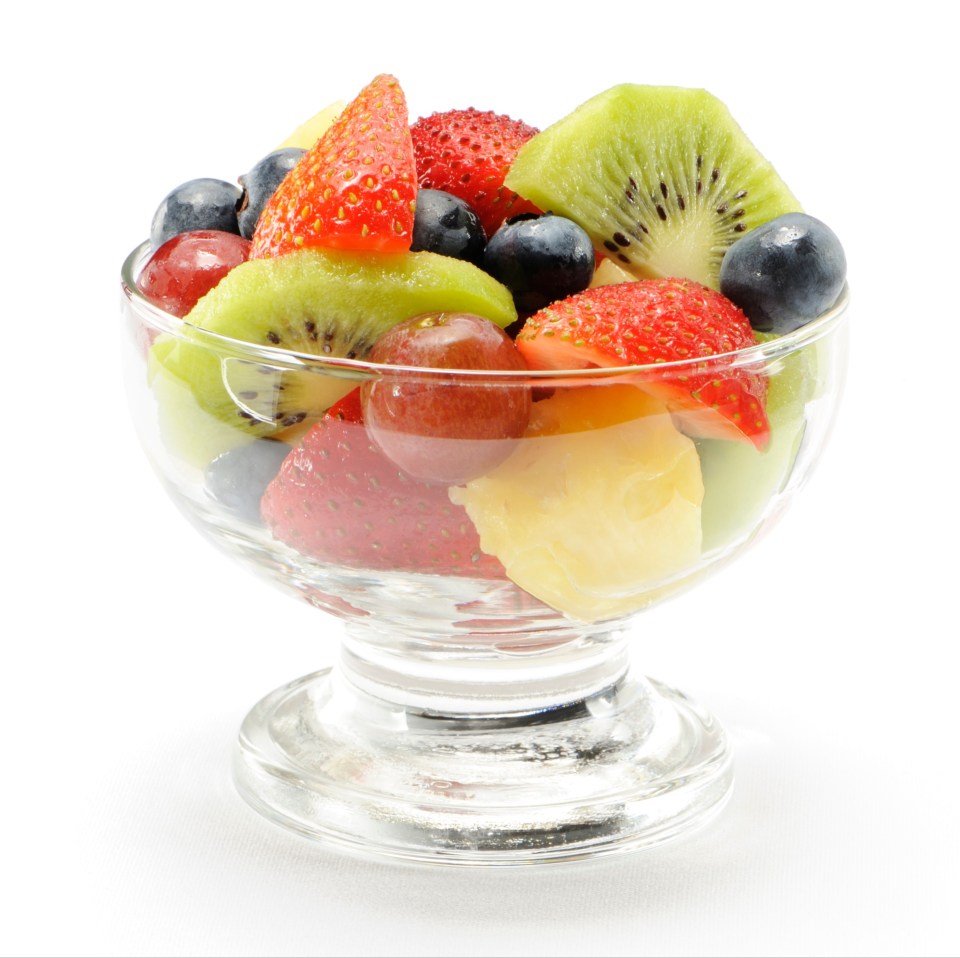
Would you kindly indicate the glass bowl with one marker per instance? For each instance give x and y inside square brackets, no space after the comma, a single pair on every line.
[483,709]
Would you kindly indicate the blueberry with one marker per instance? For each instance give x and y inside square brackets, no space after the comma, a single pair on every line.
[201,204]
[445,224]
[784,273]
[260,183]
[540,259]
[238,478]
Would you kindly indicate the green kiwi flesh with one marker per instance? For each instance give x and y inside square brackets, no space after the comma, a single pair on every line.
[661,178]
[328,304]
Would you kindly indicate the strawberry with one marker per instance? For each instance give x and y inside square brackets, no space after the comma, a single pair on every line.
[354,189]
[659,321]
[468,153]
[339,499]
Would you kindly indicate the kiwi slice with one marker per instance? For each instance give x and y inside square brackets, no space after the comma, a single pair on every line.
[661,178]
[322,302]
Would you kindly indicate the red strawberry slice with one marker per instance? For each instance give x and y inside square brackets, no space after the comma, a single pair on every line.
[657,321]
[354,189]
[468,153]
[338,499]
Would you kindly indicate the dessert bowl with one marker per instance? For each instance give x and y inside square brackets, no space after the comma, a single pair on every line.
[484,709]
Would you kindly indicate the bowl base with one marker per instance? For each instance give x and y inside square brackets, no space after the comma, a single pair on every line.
[632,766]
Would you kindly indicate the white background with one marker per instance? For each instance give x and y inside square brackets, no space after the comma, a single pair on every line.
[131,649]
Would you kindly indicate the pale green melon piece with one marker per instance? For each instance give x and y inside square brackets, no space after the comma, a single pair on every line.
[661,178]
[187,430]
[739,480]
[329,304]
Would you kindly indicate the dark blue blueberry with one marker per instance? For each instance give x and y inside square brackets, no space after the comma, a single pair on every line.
[201,204]
[238,478]
[261,182]
[540,259]
[784,273]
[445,224]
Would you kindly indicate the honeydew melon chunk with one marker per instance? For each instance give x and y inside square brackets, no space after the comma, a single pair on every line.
[739,481]
[187,431]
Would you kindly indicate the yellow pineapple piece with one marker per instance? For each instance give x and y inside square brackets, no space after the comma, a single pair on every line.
[599,506]
[609,273]
[305,135]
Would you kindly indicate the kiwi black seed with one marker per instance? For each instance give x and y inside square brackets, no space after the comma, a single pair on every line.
[327,304]
[662,179]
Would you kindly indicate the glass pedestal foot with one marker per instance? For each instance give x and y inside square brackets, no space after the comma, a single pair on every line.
[631,765]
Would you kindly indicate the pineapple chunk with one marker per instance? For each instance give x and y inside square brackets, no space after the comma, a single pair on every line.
[305,135]
[599,506]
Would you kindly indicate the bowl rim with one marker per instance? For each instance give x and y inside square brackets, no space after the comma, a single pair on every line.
[756,356]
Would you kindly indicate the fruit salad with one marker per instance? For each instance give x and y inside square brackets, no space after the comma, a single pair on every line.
[578,363]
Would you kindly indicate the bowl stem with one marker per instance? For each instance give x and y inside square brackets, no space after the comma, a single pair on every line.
[484,675]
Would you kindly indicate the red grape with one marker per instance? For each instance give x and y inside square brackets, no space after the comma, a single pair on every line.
[441,430]
[188,265]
